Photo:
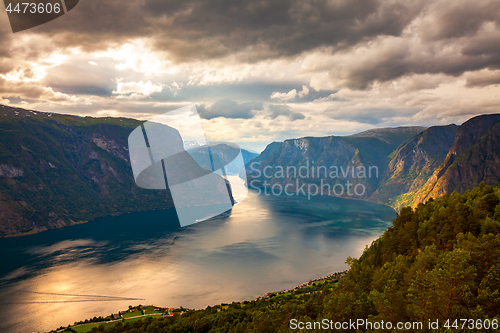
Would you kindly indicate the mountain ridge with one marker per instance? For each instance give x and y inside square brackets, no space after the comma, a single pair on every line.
[58,170]
[391,135]
[475,134]
[413,163]
[409,168]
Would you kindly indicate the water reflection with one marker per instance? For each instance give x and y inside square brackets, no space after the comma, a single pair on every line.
[264,244]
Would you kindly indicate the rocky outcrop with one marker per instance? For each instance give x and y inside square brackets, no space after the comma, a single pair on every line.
[474,157]
[110,146]
[10,171]
[412,165]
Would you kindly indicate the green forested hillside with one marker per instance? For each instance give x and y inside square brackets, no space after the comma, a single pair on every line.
[56,170]
[439,261]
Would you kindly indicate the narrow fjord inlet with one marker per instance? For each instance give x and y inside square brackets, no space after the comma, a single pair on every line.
[256,166]
[264,244]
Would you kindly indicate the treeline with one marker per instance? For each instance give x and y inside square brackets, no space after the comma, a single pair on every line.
[439,261]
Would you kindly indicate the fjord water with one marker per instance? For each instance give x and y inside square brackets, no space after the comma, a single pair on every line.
[266,243]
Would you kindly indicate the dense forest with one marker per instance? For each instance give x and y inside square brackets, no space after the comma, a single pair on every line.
[57,170]
[440,261]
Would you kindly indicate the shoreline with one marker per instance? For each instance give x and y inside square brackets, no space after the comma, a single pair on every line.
[335,277]
[73,223]
[347,197]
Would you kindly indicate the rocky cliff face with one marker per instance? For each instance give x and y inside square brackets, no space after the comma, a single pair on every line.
[474,157]
[412,165]
[322,164]
[266,152]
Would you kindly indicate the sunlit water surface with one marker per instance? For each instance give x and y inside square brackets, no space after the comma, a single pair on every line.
[265,243]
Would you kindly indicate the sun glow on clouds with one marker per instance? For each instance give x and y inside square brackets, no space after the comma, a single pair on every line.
[291,94]
[285,96]
[136,90]
[251,132]
[437,63]
[34,71]
[137,56]
[108,113]
[231,70]
[20,75]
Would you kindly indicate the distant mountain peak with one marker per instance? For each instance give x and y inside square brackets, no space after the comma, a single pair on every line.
[391,135]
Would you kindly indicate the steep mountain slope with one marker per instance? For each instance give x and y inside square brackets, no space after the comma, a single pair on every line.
[248,155]
[473,157]
[412,165]
[322,162]
[57,170]
[266,152]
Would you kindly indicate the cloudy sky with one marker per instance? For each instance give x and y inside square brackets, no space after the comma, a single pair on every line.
[262,71]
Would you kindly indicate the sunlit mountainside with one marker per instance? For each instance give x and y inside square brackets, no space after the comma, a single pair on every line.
[57,170]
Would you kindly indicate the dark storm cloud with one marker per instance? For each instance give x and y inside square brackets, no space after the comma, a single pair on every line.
[263,29]
[269,29]
[453,25]
[18,88]
[284,110]
[196,29]
[84,90]
[459,18]
[229,109]
[399,59]
[15,99]
[96,25]
[486,45]
[6,37]
[388,64]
